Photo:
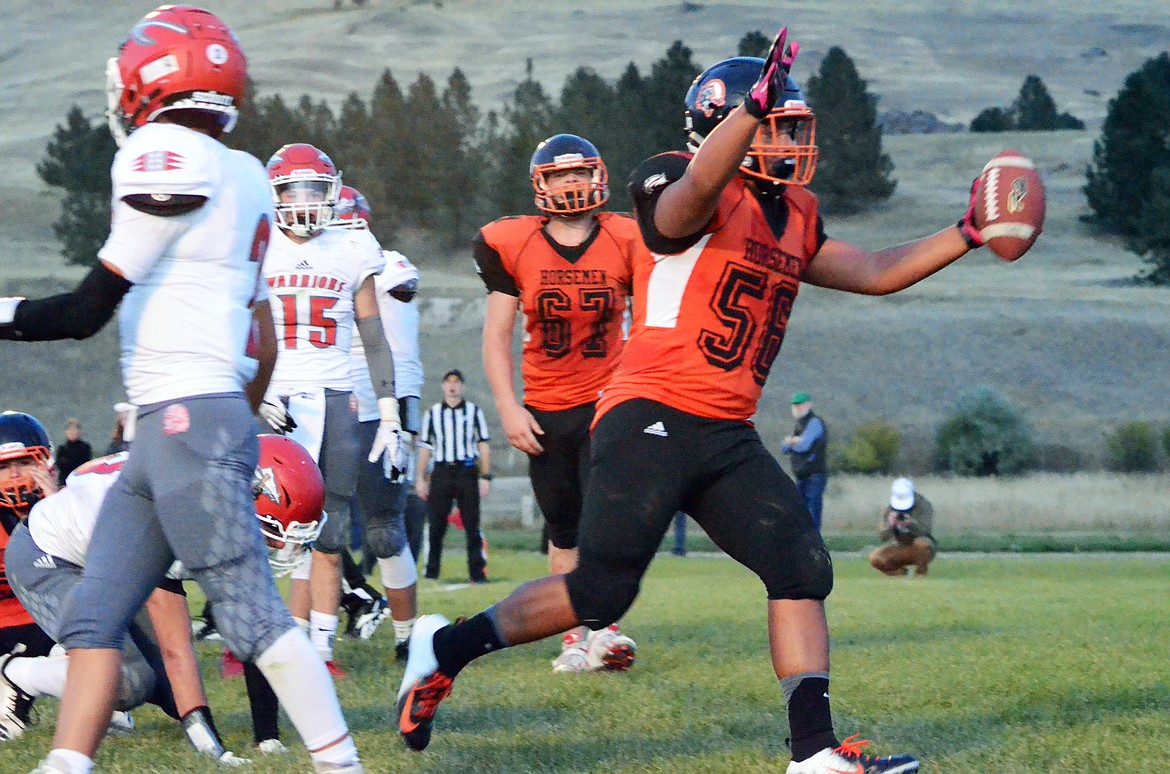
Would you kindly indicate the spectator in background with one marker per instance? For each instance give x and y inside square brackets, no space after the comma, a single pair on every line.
[73,453]
[807,446]
[123,428]
[455,437]
[906,523]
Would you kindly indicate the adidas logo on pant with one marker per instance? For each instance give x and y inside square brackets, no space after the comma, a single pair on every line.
[657,429]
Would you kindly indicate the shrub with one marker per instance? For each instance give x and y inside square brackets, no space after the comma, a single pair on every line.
[872,449]
[1132,448]
[985,436]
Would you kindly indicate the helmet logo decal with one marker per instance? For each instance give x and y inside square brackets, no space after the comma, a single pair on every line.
[568,159]
[159,68]
[264,484]
[139,35]
[217,54]
[711,97]
[654,181]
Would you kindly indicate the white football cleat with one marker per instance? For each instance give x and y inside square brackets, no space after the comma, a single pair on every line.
[609,650]
[121,723]
[320,767]
[14,703]
[849,759]
[572,657]
[272,747]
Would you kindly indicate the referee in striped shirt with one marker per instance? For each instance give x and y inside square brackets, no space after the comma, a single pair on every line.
[455,434]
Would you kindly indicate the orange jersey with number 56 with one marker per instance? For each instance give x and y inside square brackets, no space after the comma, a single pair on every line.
[709,319]
[573,301]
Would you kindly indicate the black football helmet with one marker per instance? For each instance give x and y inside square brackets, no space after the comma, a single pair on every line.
[568,151]
[722,87]
[22,437]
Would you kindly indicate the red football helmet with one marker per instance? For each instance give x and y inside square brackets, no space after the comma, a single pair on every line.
[290,495]
[22,439]
[177,58]
[305,187]
[352,209]
[563,196]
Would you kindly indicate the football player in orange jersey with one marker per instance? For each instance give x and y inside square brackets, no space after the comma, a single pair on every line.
[26,476]
[732,233]
[569,271]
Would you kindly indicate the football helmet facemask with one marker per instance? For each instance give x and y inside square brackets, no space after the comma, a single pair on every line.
[352,210]
[563,195]
[289,494]
[24,439]
[177,58]
[784,149]
[305,187]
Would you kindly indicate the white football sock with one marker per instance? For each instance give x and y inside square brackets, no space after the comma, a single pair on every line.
[302,684]
[78,763]
[402,629]
[40,675]
[322,632]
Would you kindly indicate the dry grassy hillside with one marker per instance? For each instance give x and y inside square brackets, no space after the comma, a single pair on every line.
[1062,332]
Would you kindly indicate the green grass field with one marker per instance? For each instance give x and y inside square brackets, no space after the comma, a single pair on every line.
[1025,663]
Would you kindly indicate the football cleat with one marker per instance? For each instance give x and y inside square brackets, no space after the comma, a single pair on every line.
[15,704]
[272,747]
[121,724]
[402,651]
[423,685]
[849,759]
[335,670]
[229,666]
[609,650]
[572,657]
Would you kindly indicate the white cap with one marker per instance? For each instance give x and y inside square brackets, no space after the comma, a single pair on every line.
[902,494]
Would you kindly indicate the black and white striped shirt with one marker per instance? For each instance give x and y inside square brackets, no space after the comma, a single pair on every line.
[454,432]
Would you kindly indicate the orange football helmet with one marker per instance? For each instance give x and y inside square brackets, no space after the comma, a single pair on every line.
[177,58]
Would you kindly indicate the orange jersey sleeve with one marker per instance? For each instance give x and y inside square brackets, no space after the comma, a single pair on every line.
[12,613]
[709,319]
[573,301]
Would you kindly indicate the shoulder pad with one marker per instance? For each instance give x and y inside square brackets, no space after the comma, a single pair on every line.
[512,227]
[398,271]
[167,159]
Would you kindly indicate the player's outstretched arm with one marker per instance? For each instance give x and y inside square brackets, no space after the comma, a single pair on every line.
[843,266]
[78,314]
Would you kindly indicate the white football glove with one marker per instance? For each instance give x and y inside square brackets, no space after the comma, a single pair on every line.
[391,440]
[276,415]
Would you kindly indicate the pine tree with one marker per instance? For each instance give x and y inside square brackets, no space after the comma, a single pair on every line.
[78,159]
[1152,241]
[632,141]
[462,178]
[387,156]
[1133,144]
[852,171]
[664,94]
[527,121]
[754,43]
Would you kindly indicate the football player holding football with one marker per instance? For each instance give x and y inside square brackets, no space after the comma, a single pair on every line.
[191,224]
[321,281]
[382,489]
[732,232]
[569,271]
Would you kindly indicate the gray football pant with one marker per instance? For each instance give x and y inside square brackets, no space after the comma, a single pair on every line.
[184,493]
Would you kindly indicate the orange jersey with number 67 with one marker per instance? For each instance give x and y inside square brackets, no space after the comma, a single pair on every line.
[573,301]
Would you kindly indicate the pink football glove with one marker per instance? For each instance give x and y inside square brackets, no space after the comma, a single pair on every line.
[773,77]
[966,223]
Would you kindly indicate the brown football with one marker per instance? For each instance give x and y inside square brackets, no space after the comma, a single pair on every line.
[1010,204]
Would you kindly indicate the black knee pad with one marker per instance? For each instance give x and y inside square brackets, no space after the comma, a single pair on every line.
[563,536]
[808,576]
[385,539]
[601,594]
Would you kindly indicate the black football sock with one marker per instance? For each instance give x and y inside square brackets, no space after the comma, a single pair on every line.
[263,702]
[459,644]
[809,718]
